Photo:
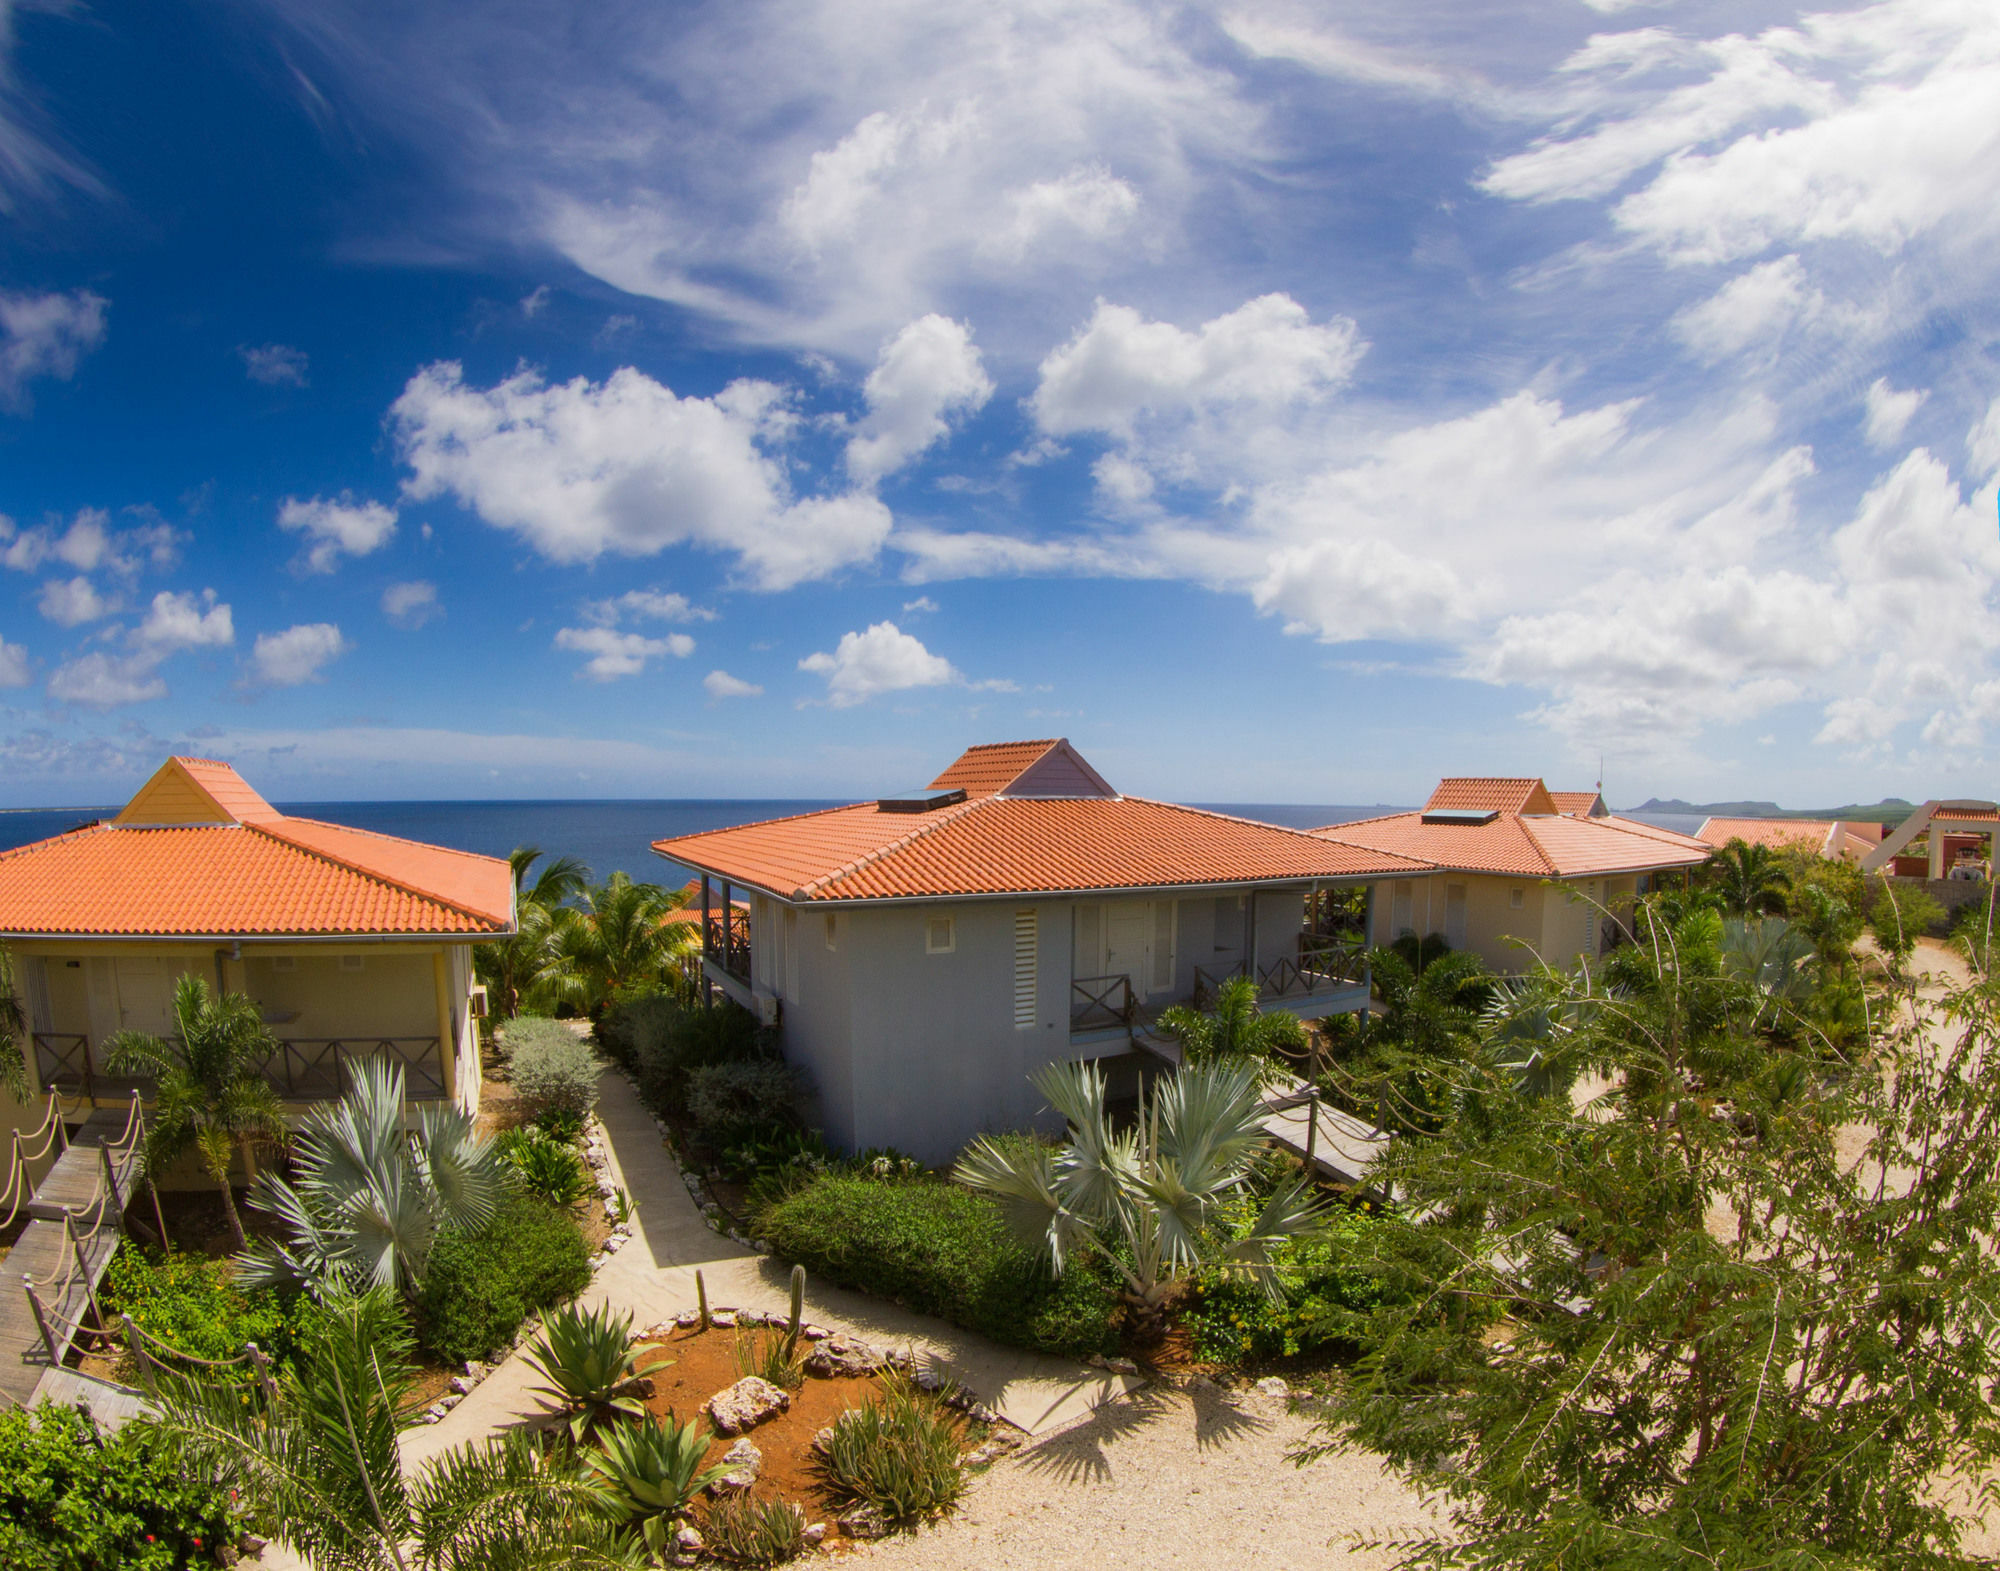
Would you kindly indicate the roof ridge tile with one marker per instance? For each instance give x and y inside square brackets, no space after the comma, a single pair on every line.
[459,907]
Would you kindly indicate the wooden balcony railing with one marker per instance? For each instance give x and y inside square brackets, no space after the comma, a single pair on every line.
[300,1069]
[1097,1003]
[726,941]
[1319,967]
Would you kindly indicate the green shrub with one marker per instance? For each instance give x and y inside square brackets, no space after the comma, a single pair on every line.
[478,1288]
[637,1023]
[192,1303]
[1328,1295]
[75,1499]
[763,1148]
[1901,915]
[743,1097]
[552,1069]
[662,1041]
[944,1251]
[745,1531]
[898,1452]
[546,1169]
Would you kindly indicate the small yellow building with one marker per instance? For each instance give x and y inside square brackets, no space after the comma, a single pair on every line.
[353,944]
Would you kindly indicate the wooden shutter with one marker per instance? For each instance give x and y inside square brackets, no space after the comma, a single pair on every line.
[1027,962]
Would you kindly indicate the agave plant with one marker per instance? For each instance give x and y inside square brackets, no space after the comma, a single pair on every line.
[651,1472]
[1144,1200]
[547,1169]
[588,1357]
[370,1192]
[899,1452]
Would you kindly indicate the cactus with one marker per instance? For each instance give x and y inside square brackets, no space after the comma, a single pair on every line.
[701,1298]
[798,1304]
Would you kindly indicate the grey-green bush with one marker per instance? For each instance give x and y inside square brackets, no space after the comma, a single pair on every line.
[479,1287]
[941,1250]
[552,1070]
[662,1042]
[728,1100]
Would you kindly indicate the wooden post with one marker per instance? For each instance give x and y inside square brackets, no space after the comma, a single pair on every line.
[707,946]
[41,1320]
[90,1297]
[1312,1132]
[260,1362]
[154,1189]
[110,1177]
[135,1339]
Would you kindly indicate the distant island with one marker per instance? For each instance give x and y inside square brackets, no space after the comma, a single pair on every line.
[1890,810]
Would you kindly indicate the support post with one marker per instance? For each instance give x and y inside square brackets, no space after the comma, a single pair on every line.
[707,946]
[111,1178]
[260,1362]
[41,1320]
[1312,1132]
[136,1341]
[154,1190]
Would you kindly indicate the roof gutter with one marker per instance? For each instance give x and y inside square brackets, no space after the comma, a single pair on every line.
[262,938]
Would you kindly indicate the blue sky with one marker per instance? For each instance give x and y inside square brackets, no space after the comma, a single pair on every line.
[1287,404]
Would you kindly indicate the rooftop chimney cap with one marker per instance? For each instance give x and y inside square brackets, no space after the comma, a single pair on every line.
[926,801]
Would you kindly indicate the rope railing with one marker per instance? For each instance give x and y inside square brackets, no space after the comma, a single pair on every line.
[152,1357]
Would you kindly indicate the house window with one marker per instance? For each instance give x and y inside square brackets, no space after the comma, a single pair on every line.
[939,939]
[831,930]
[1027,957]
[1516,897]
[350,962]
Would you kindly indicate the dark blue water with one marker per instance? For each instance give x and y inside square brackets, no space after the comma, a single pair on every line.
[605,836]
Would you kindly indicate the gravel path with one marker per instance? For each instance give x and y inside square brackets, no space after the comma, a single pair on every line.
[1170,1479]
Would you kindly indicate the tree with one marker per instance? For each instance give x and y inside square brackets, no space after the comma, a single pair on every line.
[1144,1199]
[372,1192]
[210,1093]
[1234,1030]
[1750,878]
[318,1461]
[511,967]
[14,1035]
[1381,1069]
[616,940]
[1682,1326]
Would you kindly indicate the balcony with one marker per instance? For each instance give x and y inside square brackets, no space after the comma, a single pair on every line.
[300,1069]
[1323,977]
[725,942]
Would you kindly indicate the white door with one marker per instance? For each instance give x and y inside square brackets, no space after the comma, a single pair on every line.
[1454,915]
[146,995]
[1128,932]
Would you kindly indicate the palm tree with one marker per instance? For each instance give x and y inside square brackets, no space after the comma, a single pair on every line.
[1750,877]
[14,1035]
[372,1192]
[1144,1200]
[510,967]
[210,1094]
[1234,1031]
[617,939]
[317,1460]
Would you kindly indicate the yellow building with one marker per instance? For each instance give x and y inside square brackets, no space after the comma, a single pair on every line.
[353,944]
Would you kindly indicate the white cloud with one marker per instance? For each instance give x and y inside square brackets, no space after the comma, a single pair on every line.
[884,659]
[411,605]
[926,374]
[1087,204]
[614,654]
[337,528]
[296,655]
[624,466]
[720,684]
[45,336]
[534,302]
[275,365]
[1121,368]
[103,681]
[1889,412]
[183,621]
[15,670]
[1982,442]
[923,605]
[1754,308]
[88,545]
[70,602]
[657,605]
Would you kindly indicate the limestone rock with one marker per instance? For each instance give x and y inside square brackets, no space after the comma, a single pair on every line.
[864,1521]
[722,1317]
[747,1404]
[744,1462]
[823,1439]
[814,1533]
[1274,1386]
[836,1359]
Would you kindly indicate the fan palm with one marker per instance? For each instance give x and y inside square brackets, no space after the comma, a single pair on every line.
[210,1093]
[1750,878]
[318,1462]
[1234,1030]
[371,1193]
[510,967]
[1144,1200]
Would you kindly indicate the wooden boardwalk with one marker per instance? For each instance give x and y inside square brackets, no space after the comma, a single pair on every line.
[112,1405]
[72,1185]
[1340,1146]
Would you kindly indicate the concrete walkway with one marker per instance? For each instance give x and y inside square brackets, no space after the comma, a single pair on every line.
[653,1277]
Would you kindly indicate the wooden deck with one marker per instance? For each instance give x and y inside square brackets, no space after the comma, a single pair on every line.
[72,1185]
[1340,1145]
[24,1357]
[112,1405]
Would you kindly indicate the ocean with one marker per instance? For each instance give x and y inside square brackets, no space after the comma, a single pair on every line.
[605,836]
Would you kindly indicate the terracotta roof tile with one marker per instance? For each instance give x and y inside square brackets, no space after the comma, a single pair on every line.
[991,766]
[997,845]
[1579,803]
[1535,846]
[1486,793]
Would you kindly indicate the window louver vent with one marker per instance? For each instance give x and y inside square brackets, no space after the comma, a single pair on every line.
[1026,958]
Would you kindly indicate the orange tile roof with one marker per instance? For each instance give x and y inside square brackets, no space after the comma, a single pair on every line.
[991,766]
[1485,793]
[263,873]
[1531,845]
[1772,832]
[1582,803]
[997,845]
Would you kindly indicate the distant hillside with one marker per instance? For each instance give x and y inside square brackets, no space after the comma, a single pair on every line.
[1890,810]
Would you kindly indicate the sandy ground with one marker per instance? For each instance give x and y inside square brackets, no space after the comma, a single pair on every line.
[1178,1479]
